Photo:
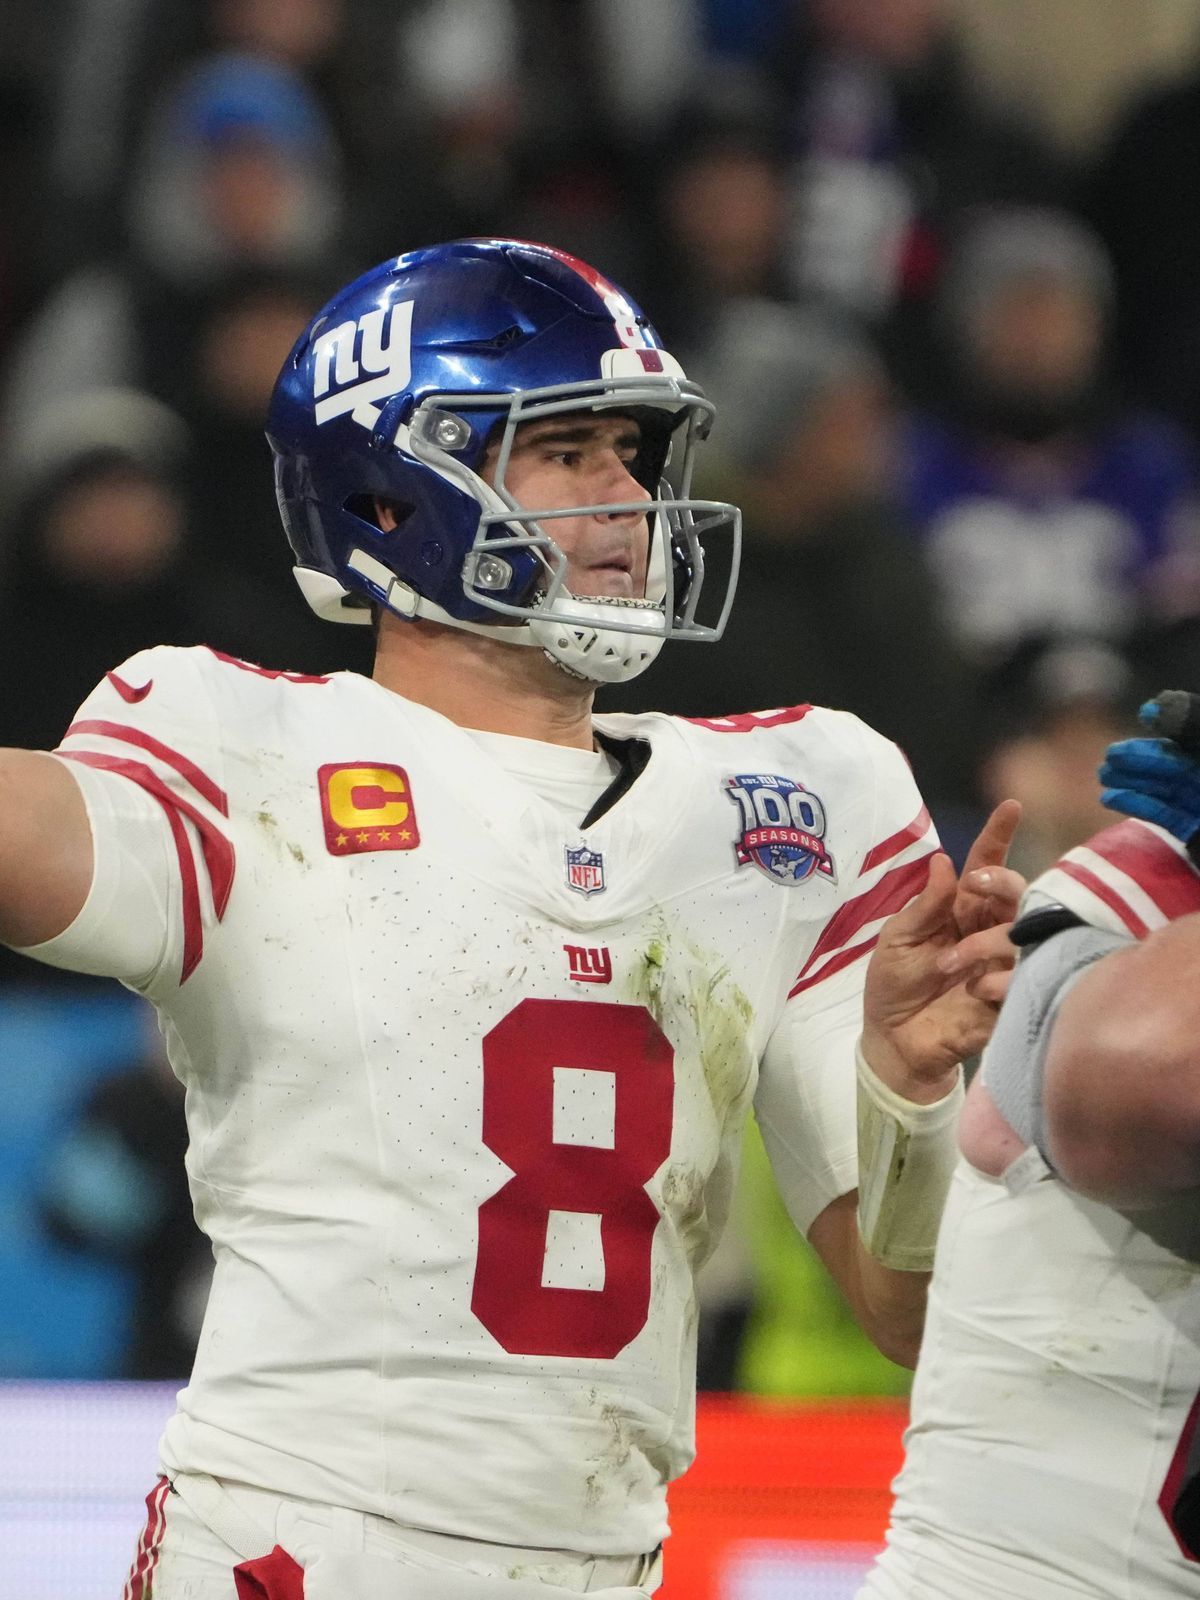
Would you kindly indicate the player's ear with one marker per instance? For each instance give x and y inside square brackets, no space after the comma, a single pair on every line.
[385,517]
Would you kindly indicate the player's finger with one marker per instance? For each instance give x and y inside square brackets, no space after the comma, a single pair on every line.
[992,843]
[989,987]
[986,945]
[1176,778]
[1148,756]
[929,910]
[1133,803]
[1001,886]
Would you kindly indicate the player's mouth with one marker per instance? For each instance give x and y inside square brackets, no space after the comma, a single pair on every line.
[612,575]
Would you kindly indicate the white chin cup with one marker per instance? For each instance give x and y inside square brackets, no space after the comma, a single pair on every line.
[585,647]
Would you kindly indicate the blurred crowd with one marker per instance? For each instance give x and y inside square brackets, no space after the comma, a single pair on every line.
[957,364]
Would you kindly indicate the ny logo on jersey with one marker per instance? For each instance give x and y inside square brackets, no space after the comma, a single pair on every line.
[363,361]
[588,965]
[367,808]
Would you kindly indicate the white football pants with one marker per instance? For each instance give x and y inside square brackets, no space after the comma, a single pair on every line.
[198,1531]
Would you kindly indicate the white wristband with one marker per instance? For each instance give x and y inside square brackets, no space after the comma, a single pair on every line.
[906,1155]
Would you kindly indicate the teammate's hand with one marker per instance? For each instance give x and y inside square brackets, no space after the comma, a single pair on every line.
[1155,780]
[942,966]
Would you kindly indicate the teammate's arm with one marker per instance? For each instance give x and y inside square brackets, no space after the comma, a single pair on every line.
[45,848]
[1121,1089]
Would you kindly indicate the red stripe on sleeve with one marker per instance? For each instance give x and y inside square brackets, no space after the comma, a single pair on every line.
[894,889]
[834,964]
[193,921]
[1110,897]
[1152,864]
[892,846]
[203,785]
[219,856]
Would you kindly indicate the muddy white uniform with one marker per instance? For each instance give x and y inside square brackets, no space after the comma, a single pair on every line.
[1055,1403]
[465,1079]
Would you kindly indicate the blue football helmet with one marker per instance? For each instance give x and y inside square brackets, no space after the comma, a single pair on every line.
[397,391]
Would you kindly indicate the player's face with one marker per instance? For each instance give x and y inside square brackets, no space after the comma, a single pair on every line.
[580,459]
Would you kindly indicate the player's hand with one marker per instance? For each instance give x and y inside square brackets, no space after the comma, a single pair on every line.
[942,966]
[1155,780]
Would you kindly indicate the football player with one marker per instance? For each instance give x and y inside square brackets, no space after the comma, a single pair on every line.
[1053,1449]
[471,991]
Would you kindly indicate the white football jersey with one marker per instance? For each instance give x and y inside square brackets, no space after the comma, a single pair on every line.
[1057,1396]
[466,1078]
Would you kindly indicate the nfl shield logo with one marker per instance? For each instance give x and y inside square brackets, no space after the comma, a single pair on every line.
[585,870]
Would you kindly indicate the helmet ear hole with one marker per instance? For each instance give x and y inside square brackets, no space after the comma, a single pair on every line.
[366,507]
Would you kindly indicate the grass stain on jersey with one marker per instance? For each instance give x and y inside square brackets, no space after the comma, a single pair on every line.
[710,1005]
[694,999]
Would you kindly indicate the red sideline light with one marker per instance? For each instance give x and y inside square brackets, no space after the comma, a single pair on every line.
[771,1470]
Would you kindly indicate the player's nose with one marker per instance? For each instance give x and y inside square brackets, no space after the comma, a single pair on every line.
[620,483]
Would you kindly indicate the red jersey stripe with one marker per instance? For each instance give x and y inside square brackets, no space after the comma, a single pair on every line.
[193,921]
[1109,896]
[219,856]
[1153,865]
[265,672]
[203,785]
[892,891]
[747,721]
[218,851]
[892,846]
[137,1585]
[835,964]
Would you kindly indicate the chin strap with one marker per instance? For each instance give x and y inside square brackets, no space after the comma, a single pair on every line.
[575,638]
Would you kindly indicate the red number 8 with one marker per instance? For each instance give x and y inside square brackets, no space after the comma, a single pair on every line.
[519,1057]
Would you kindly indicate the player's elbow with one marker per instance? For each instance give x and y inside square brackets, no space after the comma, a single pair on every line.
[894,1321]
[901,1345]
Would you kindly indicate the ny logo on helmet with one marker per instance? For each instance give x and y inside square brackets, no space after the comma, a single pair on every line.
[380,344]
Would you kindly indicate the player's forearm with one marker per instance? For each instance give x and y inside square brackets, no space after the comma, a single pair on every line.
[888,1304]
[1122,1075]
[45,848]
[892,1307]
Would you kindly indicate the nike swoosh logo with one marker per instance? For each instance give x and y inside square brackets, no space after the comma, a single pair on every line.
[126,690]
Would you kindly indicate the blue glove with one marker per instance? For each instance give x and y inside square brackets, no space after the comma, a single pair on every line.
[1153,779]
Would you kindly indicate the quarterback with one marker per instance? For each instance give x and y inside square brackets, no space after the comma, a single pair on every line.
[1053,1450]
[471,991]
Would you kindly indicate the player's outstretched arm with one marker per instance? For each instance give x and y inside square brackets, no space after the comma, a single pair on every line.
[45,848]
[1121,1091]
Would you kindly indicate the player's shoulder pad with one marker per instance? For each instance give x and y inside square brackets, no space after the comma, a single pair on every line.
[800,729]
[735,722]
[152,682]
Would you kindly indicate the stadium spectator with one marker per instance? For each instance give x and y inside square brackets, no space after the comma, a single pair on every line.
[719,218]
[239,171]
[1052,1446]
[1150,221]
[892,143]
[1043,504]
[95,545]
[1050,710]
